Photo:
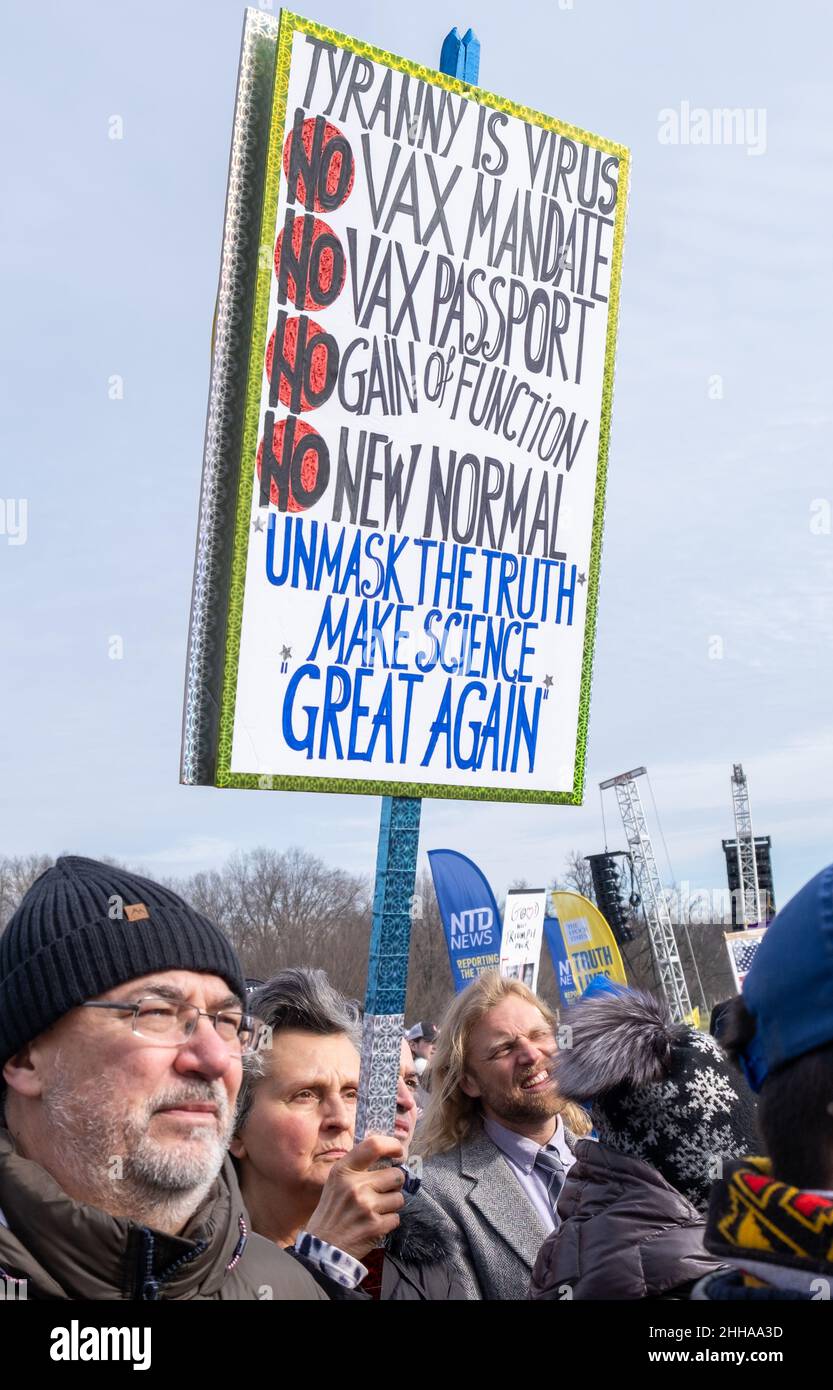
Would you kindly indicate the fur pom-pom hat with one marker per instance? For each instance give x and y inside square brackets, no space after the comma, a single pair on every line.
[656,1090]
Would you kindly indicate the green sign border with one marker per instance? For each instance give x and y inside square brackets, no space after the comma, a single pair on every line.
[289,25]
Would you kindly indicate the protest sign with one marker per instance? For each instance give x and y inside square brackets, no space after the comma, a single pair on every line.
[403,601]
[582,946]
[469,913]
[523,928]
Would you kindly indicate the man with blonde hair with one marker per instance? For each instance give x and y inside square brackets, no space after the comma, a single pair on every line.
[497,1137]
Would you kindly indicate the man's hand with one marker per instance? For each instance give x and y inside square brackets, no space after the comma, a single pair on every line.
[359,1202]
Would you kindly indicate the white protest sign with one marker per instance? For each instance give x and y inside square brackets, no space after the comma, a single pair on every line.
[418,537]
[523,932]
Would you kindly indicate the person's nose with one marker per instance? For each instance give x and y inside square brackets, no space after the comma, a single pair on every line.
[204,1053]
[405,1098]
[528,1054]
[340,1115]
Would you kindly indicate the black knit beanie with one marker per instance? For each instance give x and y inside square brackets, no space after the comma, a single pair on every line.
[85,927]
[656,1090]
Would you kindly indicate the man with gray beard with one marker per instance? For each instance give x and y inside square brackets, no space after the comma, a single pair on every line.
[123,1029]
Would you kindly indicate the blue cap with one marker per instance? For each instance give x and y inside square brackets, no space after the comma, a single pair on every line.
[789,989]
[600,984]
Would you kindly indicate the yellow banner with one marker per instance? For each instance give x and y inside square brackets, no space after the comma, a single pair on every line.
[589,944]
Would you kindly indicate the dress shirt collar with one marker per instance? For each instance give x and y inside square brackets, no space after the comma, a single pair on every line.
[522,1151]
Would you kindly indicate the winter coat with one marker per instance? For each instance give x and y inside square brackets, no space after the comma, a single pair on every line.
[419,1257]
[418,1263]
[494,1229]
[625,1233]
[64,1249]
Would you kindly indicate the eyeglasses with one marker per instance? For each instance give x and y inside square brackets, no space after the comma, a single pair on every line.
[168,1023]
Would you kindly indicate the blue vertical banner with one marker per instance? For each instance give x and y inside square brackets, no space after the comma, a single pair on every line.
[565,979]
[470,915]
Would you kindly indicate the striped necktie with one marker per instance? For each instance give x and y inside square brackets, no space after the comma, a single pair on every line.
[554,1173]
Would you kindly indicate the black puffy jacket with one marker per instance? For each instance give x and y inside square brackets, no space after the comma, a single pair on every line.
[418,1262]
[626,1233]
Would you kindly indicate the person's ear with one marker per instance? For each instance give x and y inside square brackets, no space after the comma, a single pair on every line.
[23,1073]
[469,1086]
[237,1148]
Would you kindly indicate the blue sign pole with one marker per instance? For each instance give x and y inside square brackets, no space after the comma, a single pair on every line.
[460,57]
[396,859]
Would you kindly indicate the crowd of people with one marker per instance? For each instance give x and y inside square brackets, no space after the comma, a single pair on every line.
[168,1132]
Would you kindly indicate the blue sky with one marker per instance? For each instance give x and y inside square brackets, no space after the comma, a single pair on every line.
[716,597]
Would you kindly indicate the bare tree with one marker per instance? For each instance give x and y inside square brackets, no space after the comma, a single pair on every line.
[288,907]
[638,958]
[705,963]
[703,958]
[430,981]
[17,874]
[576,876]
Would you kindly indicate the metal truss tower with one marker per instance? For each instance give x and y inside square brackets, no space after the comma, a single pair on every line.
[658,918]
[750,895]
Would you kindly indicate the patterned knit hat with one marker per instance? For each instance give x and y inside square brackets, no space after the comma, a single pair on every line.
[85,927]
[656,1090]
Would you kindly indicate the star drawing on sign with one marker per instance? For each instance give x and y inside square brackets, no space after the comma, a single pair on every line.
[258,523]
[547,686]
[286,653]
[582,579]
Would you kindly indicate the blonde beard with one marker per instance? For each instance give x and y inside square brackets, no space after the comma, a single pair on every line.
[532,1108]
[516,1105]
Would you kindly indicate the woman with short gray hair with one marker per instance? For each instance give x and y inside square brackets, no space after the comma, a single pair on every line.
[296,1120]
[296,1111]
[302,1000]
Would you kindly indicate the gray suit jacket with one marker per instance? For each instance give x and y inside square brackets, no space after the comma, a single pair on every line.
[497,1233]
